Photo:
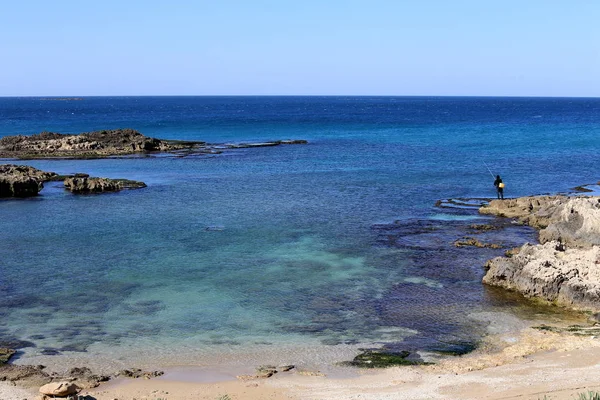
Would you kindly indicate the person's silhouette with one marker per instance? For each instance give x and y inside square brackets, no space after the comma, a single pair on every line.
[499,187]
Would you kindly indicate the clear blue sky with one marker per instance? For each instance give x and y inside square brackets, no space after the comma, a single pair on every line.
[303,47]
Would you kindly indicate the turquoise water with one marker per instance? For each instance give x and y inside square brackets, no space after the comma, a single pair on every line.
[335,244]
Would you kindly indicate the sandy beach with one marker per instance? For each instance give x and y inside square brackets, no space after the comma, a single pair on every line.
[532,365]
[538,364]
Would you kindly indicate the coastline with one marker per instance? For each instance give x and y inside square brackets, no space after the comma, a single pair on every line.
[540,356]
[377,384]
[530,365]
[522,364]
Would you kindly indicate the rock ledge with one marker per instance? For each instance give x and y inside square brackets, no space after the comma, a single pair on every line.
[565,267]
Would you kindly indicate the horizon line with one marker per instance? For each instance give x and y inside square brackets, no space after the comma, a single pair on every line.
[296,95]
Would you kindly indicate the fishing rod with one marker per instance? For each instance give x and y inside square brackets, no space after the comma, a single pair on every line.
[488,168]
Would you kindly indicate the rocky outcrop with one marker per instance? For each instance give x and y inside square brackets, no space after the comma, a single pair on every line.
[569,278]
[82,184]
[574,221]
[22,180]
[5,355]
[107,143]
[565,267]
[91,144]
[534,210]
[25,181]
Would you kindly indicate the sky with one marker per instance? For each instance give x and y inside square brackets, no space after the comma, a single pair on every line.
[302,47]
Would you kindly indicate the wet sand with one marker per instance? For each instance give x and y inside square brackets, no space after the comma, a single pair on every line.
[531,365]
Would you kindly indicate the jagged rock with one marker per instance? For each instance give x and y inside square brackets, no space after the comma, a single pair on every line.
[569,278]
[59,389]
[138,373]
[266,371]
[565,267]
[533,211]
[85,379]
[5,355]
[22,180]
[573,220]
[97,185]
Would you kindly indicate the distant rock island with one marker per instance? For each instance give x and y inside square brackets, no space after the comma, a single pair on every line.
[109,143]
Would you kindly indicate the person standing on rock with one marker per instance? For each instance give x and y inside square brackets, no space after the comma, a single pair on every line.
[499,187]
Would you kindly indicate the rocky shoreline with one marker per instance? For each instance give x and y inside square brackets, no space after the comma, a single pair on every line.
[60,386]
[111,143]
[564,269]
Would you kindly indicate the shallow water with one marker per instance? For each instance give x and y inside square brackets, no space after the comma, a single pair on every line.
[305,250]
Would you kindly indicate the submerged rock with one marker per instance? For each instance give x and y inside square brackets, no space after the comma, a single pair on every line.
[22,180]
[382,359]
[264,144]
[98,185]
[565,268]
[472,242]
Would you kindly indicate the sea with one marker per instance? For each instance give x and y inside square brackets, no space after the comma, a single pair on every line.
[300,254]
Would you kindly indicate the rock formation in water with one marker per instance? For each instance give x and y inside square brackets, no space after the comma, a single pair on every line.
[6,354]
[25,181]
[107,143]
[22,180]
[83,184]
[565,267]
[91,144]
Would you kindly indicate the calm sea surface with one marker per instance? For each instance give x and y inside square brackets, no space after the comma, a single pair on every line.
[317,249]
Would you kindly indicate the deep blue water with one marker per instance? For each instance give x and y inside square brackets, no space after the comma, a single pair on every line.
[286,244]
